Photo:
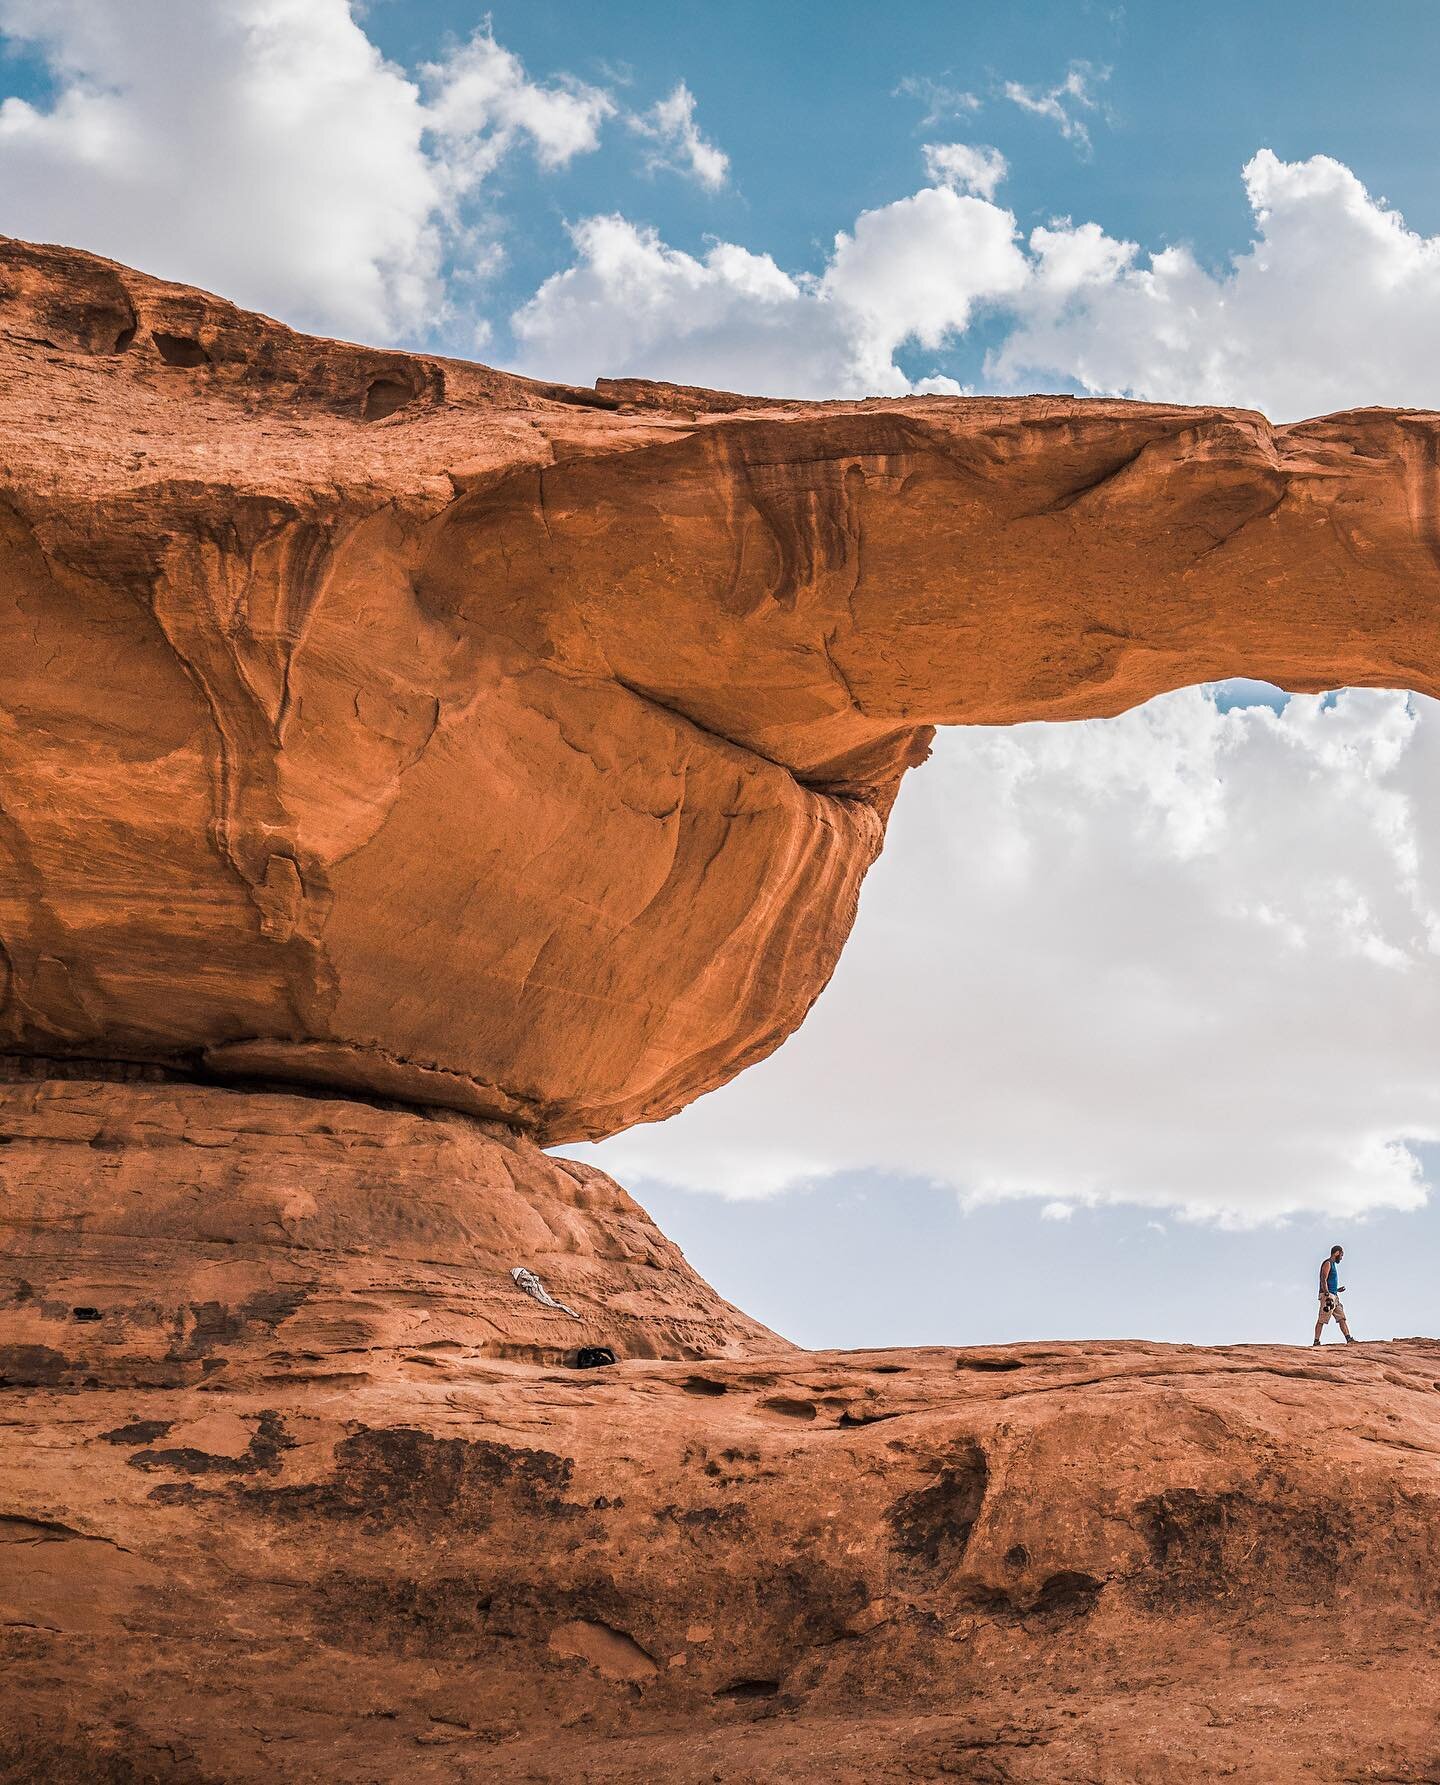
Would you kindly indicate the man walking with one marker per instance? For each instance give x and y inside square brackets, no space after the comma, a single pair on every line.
[1331,1289]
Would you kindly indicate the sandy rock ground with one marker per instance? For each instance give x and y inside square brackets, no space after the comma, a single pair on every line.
[340,1556]
[295,1484]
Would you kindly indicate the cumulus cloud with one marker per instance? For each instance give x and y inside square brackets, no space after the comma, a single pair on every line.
[482,103]
[267,149]
[1185,958]
[1336,303]
[630,304]
[966,167]
[1065,102]
[263,147]
[677,142]
[912,271]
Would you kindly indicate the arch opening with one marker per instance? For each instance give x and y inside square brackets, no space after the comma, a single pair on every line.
[1121,992]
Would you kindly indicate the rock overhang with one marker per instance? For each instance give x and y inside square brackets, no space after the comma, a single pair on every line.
[398,725]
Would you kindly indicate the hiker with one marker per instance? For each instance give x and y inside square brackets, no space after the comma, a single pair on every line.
[1331,1289]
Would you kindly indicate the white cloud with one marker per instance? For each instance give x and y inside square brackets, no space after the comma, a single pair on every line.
[670,125]
[266,149]
[1063,103]
[482,103]
[940,101]
[631,305]
[966,167]
[262,147]
[1336,303]
[910,271]
[1186,958]
[915,269]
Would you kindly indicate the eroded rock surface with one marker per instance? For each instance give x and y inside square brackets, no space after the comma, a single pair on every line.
[1047,1563]
[389,722]
[167,1234]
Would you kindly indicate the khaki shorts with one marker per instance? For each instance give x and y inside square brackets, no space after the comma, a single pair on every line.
[1331,1308]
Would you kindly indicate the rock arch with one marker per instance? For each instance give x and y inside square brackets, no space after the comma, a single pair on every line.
[521,750]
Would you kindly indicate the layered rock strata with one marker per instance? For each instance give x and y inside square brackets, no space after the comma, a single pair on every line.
[164,1235]
[386,722]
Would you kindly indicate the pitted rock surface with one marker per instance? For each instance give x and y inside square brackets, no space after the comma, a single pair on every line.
[1101,1562]
[386,722]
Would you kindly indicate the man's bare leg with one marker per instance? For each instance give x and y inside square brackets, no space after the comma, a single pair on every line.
[1319,1322]
[1350,1338]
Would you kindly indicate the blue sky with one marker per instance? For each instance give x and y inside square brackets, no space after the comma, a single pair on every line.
[867,1261]
[1195,203]
[1151,1004]
[808,100]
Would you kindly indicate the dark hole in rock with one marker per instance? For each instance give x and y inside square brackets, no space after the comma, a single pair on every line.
[124,338]
[749,1689]
[1017,1556]
[85,1313]
[180,350]
[702,1385]
[932,1526]
[384,397]
[888,1369]
[792,1409]
[988,1363]
[593,1357]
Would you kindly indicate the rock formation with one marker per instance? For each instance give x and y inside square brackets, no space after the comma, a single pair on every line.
[403,766]
[389,723]
[158,1233]
[1044,1564]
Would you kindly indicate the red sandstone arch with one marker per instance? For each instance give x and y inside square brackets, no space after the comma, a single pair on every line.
[521,749]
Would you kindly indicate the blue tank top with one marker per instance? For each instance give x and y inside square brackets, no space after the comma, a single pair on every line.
[1333,1282]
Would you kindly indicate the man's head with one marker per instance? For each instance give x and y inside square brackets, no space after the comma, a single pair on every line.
[1337,1253]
